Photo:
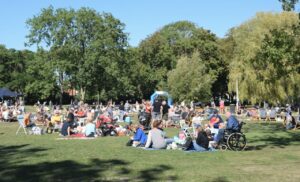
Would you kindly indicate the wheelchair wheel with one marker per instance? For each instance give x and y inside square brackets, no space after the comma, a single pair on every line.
[236,142]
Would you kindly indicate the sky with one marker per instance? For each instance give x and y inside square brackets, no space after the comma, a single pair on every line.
[141,17]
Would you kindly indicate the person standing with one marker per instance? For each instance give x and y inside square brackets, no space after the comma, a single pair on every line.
[222,106]
[156,110]
[165,112]
[121,111]
[127,106]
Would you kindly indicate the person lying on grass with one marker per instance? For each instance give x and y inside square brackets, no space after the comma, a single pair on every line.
[156,137]
[140,138]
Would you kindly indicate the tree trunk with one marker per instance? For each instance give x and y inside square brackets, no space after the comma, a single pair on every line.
[82,93]
[61,78]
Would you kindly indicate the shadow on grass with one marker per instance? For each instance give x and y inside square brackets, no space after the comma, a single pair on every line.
[14,167]
[154,174]
[272,135]
[220,179]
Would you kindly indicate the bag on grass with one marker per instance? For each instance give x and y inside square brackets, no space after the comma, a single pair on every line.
[129,143]
[37,130]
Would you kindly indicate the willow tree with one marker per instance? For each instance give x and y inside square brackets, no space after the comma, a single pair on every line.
[249,39]
[277,66]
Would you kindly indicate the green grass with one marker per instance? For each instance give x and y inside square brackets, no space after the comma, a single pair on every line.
[273,154]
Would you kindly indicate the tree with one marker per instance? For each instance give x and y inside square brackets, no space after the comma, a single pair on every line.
[86,48]
[41,78]
[13,65]
[248,39]
[100,46]
[161,50]
[192,79]
[54,29]
[277,65]
[288,5]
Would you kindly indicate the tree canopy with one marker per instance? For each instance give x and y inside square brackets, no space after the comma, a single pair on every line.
[88,51]
[250,40]
[192,79]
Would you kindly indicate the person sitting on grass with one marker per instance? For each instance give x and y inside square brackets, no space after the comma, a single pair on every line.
[55,120]
[90,128]
[68,125]
[290,122]
[156,137]
[140,138]
[202,141]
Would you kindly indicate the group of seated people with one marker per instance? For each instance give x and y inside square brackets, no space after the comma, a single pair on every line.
[155,139]
[70,127]
[205,138]
[10,113]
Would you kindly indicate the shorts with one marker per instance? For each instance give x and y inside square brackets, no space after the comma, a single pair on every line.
[165,117]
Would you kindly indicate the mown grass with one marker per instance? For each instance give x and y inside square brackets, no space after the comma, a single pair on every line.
[273,154]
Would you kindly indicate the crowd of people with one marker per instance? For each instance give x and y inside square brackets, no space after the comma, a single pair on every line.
[80,119]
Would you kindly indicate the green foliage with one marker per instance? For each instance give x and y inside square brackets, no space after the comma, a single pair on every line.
[277,66]
[41,78]
[248,39]
[191,80]
[13,66]
[86,48]
[288,5]
[160,51]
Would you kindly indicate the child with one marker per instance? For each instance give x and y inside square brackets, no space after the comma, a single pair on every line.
[139,138]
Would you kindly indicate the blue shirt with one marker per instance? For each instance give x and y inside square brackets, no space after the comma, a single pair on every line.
[90,128]
[232,123]
[140,136]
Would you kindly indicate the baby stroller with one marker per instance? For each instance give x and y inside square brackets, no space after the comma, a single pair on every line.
[105,126]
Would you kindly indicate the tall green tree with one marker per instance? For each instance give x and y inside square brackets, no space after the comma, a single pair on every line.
[248,40]
[277,66]
[161,50]
[288,5]
[53,30]
[13,65]
[192,79]
[86,48]
[41,82]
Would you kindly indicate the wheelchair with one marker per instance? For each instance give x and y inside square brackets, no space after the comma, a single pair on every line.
[234,140]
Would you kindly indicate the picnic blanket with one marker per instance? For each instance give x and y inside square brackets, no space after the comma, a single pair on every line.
[76,137]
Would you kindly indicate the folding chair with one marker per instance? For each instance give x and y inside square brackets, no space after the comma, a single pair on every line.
[21,122]
[272,115]
[262,114]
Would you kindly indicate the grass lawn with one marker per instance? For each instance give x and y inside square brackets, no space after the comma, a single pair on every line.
[273,154]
